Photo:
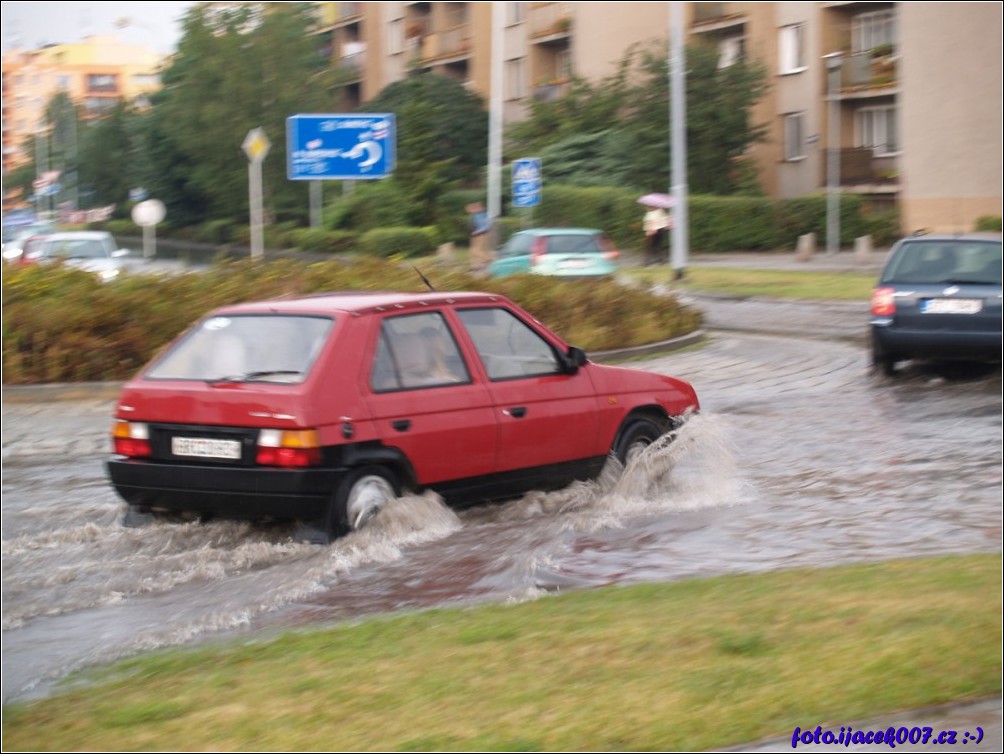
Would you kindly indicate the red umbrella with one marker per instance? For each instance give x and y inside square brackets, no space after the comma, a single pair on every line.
[657,200]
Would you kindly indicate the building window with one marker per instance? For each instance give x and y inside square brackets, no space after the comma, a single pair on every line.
[794,136]
[395,36]
[515,78]
[875,127]
[63,82]
[791,49]
[515,13]
[563,64]
[731,50]
[102,83]
[869,30]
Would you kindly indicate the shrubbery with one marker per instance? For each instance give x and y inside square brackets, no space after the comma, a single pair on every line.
[988,224]
[62,325]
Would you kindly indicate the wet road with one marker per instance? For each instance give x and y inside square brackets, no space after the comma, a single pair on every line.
[800,457]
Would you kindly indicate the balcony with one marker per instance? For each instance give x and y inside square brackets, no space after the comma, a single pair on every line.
[550,22]
[441,45]
[866,172]
[868,74]
[551,90]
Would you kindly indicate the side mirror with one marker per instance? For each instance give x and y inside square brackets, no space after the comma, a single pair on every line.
[574,359]
[120,253]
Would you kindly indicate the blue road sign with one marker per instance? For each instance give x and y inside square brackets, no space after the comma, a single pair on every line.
[340,147]
[526,182]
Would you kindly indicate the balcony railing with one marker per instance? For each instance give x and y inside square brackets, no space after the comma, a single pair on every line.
[863,70]
[550,20]
[860,166]
[445,44]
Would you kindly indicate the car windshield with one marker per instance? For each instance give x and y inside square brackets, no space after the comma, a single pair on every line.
[573,244]
[246,348]
[79,248]
[946,261]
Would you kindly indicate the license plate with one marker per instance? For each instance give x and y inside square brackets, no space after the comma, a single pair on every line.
[575,264]
[198,447]
[951,306]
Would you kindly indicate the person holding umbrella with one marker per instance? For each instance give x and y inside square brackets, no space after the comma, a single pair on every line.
[656,225]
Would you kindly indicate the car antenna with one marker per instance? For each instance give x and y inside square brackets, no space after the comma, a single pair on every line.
[424,278]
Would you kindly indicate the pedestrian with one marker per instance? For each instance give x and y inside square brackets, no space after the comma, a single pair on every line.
[480,229]
[656,225]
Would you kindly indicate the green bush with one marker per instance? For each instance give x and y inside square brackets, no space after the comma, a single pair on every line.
[399,242]
[62,325]
[122,228]
[988,224]
[318,240]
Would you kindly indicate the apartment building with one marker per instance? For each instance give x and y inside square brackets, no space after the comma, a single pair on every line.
[96,73]
[908,92]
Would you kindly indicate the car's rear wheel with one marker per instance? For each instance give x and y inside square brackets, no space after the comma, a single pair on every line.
[882,361]
[360,496]
[637,436]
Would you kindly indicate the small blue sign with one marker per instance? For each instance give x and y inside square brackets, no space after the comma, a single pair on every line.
[527,181]
[340,147]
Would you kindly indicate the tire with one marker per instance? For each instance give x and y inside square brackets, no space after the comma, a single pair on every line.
[882,361]
[637,436]
[360,496]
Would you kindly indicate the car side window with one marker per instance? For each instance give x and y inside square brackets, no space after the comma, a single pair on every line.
[508,347]
[416,350]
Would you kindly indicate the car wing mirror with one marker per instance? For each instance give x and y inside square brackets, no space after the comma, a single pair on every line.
[120,253]
[573,359]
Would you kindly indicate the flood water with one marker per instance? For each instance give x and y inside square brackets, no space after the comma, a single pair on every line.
[800,457]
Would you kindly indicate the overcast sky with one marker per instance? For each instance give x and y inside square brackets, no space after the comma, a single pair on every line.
[154,23]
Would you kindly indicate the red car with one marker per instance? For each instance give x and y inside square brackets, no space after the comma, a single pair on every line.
[324,408]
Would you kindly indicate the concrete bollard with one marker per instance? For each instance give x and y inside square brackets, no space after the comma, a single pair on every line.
[863,249]
[806,247]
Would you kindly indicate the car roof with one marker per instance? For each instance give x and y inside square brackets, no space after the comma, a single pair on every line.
[77,235]
[361,302]
[558,231]
[942,237]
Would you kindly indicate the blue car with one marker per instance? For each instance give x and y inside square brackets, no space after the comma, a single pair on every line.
[938,298]
[563,252]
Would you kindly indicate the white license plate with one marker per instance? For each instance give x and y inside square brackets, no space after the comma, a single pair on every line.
[198,447]
[575,264]
[951,306]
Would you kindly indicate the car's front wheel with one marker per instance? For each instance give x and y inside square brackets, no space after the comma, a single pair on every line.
[637,436]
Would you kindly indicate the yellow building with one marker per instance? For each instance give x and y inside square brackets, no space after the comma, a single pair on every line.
[96,73]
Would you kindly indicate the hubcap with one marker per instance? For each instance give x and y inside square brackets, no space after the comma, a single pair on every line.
[369,494]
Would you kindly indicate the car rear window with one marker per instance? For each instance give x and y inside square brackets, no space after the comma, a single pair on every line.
[942,261]
[246,347]
[573,244]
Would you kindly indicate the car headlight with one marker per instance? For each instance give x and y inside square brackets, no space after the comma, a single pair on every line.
[107,275]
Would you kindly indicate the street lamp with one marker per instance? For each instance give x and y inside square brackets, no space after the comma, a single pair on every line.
[833,63]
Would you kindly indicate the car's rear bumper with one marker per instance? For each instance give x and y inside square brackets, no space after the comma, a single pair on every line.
[234,492]
[936,344]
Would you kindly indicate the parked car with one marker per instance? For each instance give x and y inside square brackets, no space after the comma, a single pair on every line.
[565,252]
[15,239]
[322,409]
[938,297]
[90,250]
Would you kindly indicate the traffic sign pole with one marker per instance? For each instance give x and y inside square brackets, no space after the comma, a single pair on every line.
[256,146]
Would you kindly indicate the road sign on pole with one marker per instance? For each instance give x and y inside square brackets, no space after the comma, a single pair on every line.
[527,181]
[256,145]
[341,147]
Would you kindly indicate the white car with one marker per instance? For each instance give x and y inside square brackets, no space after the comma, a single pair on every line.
[90,250]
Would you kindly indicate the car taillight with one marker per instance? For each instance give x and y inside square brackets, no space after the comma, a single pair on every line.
[538,250]
[288,448]
[131,439]
[883,302]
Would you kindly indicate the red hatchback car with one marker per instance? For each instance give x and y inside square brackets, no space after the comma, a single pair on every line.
[324,408]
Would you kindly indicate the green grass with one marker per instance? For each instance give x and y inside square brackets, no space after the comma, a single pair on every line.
[691,665]
[820,286]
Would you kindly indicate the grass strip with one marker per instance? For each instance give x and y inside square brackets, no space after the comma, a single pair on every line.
[683,666]
[789,284]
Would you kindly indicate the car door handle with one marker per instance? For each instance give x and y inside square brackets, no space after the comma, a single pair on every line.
[517,413]
[401,425]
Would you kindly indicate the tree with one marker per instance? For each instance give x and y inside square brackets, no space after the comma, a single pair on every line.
[617,130]
[237,68]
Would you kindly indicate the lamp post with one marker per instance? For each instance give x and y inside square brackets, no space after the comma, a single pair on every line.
[833,63]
